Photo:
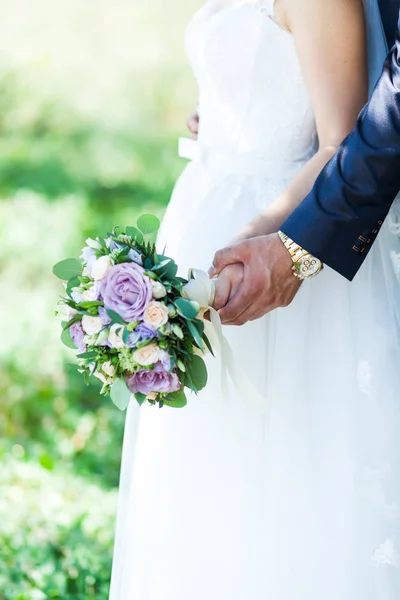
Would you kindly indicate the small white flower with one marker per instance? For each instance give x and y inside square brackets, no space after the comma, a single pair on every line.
[85,272]
[101,267]
[91,325]
[152,396]
[156,314]
[159,290]
[115,336]
[94,244]
[148,355]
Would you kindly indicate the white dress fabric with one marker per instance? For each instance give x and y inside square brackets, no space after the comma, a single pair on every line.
[217,501]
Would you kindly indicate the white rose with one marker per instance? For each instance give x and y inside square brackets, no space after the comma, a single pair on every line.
[101,267]
[94,244]
[148,355]
[108,368]
[115,336]
[77,295]
[159,290]
[91,293]
[156,315]
[91,325]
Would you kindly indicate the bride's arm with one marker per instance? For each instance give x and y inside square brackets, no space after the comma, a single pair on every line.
[330,41]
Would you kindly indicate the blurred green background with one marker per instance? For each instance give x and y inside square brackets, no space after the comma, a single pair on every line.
[93,96]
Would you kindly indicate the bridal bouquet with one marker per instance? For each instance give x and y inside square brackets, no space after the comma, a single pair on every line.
[131,319]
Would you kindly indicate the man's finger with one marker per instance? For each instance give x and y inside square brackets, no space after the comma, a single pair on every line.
[236,306]
[226,256]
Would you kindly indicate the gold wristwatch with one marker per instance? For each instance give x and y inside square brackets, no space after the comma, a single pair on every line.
[305,265]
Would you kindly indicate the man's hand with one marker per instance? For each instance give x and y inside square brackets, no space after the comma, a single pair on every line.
[268,280]
[193,125]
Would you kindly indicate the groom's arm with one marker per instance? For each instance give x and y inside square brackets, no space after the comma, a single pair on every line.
[341,217]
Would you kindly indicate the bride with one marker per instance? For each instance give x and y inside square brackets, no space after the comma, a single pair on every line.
[300,502]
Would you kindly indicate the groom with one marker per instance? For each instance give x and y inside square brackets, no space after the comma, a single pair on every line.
[339,220]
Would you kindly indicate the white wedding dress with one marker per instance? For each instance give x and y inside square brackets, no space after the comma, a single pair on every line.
[218,501]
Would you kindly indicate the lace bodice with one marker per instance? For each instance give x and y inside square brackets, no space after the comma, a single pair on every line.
[252,96]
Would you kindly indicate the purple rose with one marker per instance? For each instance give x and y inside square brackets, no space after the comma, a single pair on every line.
[156,380]
[142,332]
[77,335]
[127,291]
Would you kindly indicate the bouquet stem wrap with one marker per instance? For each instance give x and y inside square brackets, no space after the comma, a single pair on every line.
[201,289]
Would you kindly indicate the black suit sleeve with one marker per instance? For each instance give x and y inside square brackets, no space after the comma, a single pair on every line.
[341,217]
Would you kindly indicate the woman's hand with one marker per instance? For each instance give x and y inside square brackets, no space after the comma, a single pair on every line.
[227,284]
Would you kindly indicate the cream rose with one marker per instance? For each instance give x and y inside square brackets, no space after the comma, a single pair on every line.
[115,336]
[91,325]
[159,290]
[102,377]
[101,267]
[156,315]
[148,355]
[108,368]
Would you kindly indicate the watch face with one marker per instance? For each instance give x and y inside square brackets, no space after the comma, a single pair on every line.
[308,266]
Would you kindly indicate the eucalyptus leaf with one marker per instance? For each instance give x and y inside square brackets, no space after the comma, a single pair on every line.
[148,224]
[72,283]
[135,234]
[196,335]
[68,269]
[140,398]
[115,317]
[166,268]
[187,308]
[120,394]
[176,400]
[88,355]
[67,340]
[148,264]
[196,372]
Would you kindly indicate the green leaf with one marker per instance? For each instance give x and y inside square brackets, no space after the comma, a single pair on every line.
[88,355]
[135,234]
[115,317]
[120,394]
[67,340]
[89,304]
[208,344]
[196,372]
[166,268]
[68,269]
[176,400]
[67,324]
[148,224]
[187,308]
[195,333]
[140,398]
[125,335]
[72,283]
[148,264]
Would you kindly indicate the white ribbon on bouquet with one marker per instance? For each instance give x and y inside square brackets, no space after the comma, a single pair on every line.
[201,289]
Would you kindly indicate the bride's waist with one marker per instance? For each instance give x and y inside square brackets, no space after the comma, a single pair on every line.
[244,163]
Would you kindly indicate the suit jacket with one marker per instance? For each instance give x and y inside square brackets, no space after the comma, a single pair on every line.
[389,11]
[341,217]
